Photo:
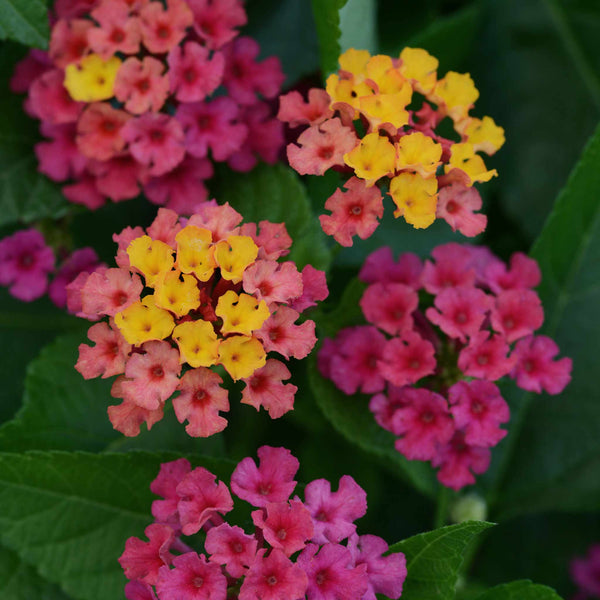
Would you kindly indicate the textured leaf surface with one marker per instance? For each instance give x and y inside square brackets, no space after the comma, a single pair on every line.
[25,194]
[25,21]
[556,459]
[434,558]
[327,21]
[276,194]
[520,590]
[70,514]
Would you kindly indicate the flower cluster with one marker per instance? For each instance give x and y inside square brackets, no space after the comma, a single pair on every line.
[298,549]
[137,94]
[193,294]
[27,262]
[405,112]
[440,334]
[585,572]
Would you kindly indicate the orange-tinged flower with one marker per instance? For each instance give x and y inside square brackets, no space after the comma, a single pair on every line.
[373,158]
[144,321]
[234,254]
[415,197]
[463,157]
[354,61]
[484,134]
[241,355]
[418,152]
[241,314]
[420,66]
[386,108]
[151,257]
[380,72]
[177,293]
[458,93]
[198,343]
[195,252]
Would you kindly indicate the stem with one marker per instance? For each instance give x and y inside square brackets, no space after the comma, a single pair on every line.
[577,53]
[441,511]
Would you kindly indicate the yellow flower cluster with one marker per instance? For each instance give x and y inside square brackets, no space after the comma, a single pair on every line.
[170,309]
[401,142]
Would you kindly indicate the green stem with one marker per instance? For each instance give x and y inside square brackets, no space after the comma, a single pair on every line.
[573,46]
[441,512]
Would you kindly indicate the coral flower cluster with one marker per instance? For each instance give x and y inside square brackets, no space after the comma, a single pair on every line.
[297,550]
[440,335]
[141,95]
[190,295]
[392,126]
[27,263]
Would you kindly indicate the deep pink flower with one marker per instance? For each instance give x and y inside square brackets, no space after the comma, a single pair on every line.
[384,406]
[265,388]
[295,111]
[231,547]
[280,334]
[321,147]
[536,369]
[273,282]
[69,41]
[139,590]
[457,204]
[142,84]
[117,31]
[273,577]
[201,499]
[142,560]
[286,525]
[155,141]
[163,28]
[107,357]
[49,100]
[486,357]
[524,273]
[128,416]
[354,212]
[331,575]
[215,21]
[405,360]
[517,313]
[118,178]
[28,69]
[182,189]
[193,578]
[334,513]
[84,192]
[459,461]
[165,485]
[271,481]
[244,77]
[380,267]
[110,292]
[212,125]
[200,401]
[460,311]
[59,158]
[71,9]
[386,574]
[585,572]
[98,131]
[452,268]
[25,262]
[389,306]
[153,376]
[423,422]
[192,73]
[314,287]
[478,409]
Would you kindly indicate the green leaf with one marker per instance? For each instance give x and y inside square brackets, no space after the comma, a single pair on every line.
[63,411]
[69,515]
[276,194]
[327,21]
[520,590]
[25,21]
[25,194]
[19,581]
[555,461]
[434,558]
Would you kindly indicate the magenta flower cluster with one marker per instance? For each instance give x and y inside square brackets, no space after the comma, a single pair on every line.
[298,549]
[188,88]
[585,572]
[27,262]
[440,334]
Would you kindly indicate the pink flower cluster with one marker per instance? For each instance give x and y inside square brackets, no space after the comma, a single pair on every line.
[585,572]
[26,263]
[152,368]
[188,87]
[440,334]
[297,550]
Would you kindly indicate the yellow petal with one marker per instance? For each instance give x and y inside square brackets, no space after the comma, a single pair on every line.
[241,355]
[198,343]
